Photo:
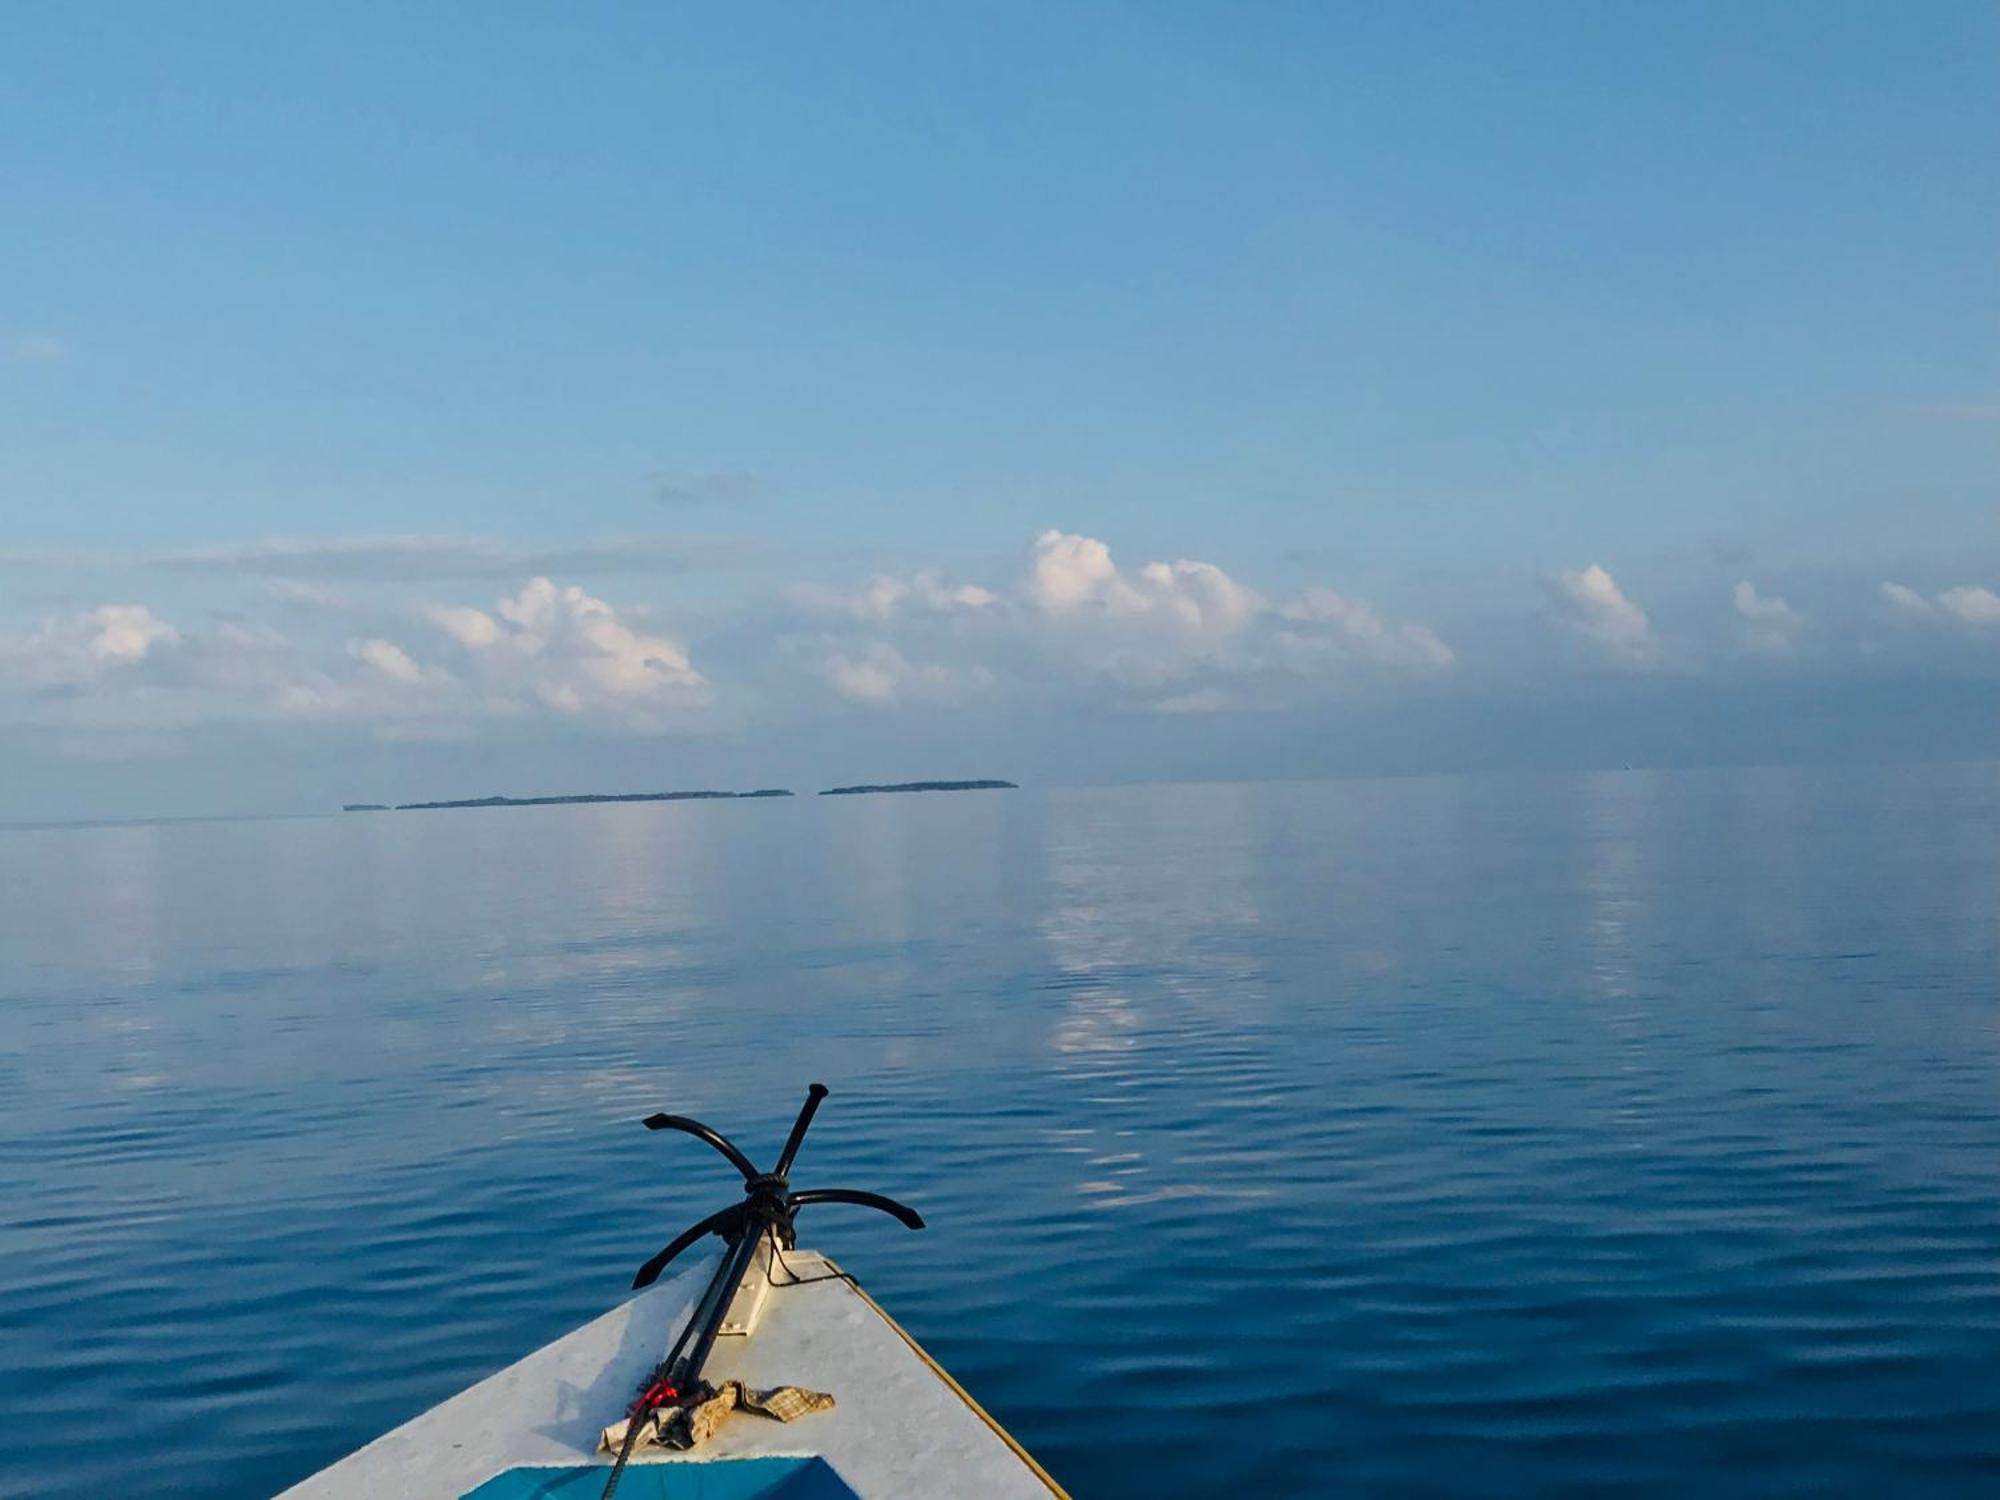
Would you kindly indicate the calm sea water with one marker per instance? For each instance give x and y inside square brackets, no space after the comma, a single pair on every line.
[1633,1133]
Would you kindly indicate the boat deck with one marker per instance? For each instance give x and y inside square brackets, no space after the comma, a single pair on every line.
[901,1428]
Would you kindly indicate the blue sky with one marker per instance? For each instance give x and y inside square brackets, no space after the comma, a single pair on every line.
[316,326]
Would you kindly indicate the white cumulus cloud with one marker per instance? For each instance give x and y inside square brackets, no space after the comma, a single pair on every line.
[1180,637]
[1770,625]
[120,667]
[391,660]
[437,671]
[1075,574]
[1589,601]
[1070,571]
[125,632]
[879,674]
[469,627]
[1969,604]
[1973,605]
[1908,601]
[1324,620]
[572,653]
[81,648]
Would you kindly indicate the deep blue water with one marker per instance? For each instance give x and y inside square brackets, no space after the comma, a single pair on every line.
[1628,1132]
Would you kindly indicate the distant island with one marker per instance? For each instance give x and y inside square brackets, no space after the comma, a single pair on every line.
[591,797]
[769,791]
[922,786]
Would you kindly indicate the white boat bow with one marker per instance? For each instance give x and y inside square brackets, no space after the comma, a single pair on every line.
[899,1428]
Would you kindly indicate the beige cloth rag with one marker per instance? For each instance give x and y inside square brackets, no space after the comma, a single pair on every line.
[691,1426]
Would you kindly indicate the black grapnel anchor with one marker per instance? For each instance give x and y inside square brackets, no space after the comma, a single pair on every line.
[768,1207]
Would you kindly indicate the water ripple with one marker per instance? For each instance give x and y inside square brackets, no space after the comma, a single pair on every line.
[1550,1135]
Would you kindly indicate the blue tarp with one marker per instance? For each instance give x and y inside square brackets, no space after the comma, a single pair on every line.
[716,1479]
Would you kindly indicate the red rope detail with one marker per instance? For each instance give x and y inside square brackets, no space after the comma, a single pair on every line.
[659,1393]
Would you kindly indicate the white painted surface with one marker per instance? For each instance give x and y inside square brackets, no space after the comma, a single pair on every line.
[739,1319]
[897,1430]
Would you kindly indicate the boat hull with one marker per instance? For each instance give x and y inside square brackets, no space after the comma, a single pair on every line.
[901,1426]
